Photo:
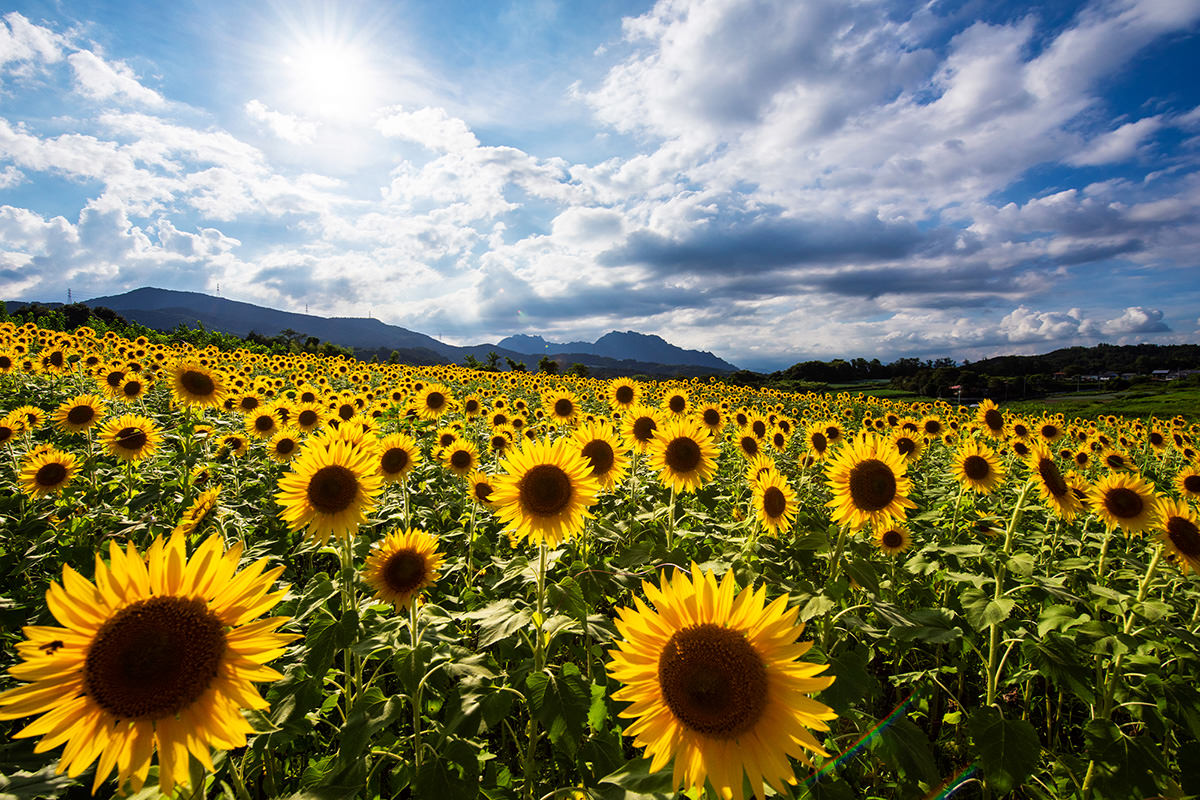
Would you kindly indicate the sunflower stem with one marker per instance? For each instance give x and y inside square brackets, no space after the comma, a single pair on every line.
[671,522]
[471,547]
[1114,670]
[1108,535]
[346,551]
[957,502]
[999,572]
[539,662]
[416,700]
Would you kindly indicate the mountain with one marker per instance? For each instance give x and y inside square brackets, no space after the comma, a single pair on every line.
[630,344]
[166,309]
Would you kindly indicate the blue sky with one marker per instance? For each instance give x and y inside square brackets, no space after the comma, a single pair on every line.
[771,180]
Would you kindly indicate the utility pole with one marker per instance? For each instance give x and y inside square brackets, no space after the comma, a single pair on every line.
[68,297]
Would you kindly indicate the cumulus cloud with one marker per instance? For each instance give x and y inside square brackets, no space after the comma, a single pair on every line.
[1119,145]
[101,80]
[288,127]
[23,44]
[432,128]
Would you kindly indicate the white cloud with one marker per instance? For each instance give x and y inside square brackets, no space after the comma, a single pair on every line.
[288,127]
[10,177]
[1119,145]
[101,80]
[432,128]
[23,44]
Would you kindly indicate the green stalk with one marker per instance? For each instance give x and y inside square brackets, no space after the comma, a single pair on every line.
[671,522]
[416,700]
[999,572]
[539,663]
[349,602]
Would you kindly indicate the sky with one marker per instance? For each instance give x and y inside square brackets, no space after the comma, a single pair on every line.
[769,180]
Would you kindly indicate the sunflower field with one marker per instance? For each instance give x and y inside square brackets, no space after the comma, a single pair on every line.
[233,575]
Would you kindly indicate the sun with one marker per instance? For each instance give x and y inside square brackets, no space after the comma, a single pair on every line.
[330,77]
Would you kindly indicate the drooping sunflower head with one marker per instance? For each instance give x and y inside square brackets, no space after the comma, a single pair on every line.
[990,418]
[198,511]
[714,683]
[1179,532]
[775,502]
[46,472]
[544,491]
[79,413]
[598,443]
[747,444]
[892,539]
[401,565]
[1125,501]
[684,455]
[869,485]
[329,490]
[1052,486]
[130,437]
[480,487]
[977,467]
[193,384]
[163,658]
[1117,461]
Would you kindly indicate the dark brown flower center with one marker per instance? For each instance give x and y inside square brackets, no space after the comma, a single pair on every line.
[563,408]
[712,417]
[346,410]
[1191,484]
[154,658]
[285,446]
[932,427]
[1052,478]
[460,459]
[483,490]
[749,445]
[713,680]
[1115,461]
[892,539]
[1123,503]
[332,489]
[248,403]
[446,439]
[1185,536]
[993,419]
[545,490]
[435,400]
[196,383]
[50,474]
[264,423]
[602,456]
[643,429]
[471,406]
[132,439]
[114,378]
[759,427]
[132,388]
[818,442]
[833,433]
[406,571]
[307,418]
[683,455]
[81,415]
[624,395]
[1049,431]
[905,446]
[976,468]
[872,485]
[677,403]
[394,460]
[774,502]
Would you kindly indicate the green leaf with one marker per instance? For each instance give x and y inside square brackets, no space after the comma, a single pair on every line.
[321,641]
[1008,749]
[598,710]
[1022,564]
[817,606]
[566,597]
[855,686]
[1126,767]
[499,620]
[905,748]
[634,781]
[317,590]
[560,701]
[863,574]
[983,611]
[932,625]
[43,783]
[1055,657]
[1059,618]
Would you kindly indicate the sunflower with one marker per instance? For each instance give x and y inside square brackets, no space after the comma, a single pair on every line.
[775,501]
[989,417]
[433,401]
[1050,430]
[624,393]
[545,491]
[711,417]
[130,437]
[977,467]
[1116,460]
[262,424]
[818,442]
[598,443]
[747,444]
[1052,486]
[481,489]
[193,384]
[284,445]
[8,430]
[1179,533]
[908,444]
[684,455]
[676,402]
[402,565]
[329,489]
[561,406]
[134,387]
[713,680]
[472,406]
[308,416]
[234,444]
[446,436]
[638,427]
[79,413]
[868,481]
[1124,501]
[892,539]
[159,654]
[461,458]
[29,418]
[45,472]
[1187,481]
[198,511]
[758,466]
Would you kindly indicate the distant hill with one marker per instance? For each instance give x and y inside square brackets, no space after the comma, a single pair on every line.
[166,309]
[630,344]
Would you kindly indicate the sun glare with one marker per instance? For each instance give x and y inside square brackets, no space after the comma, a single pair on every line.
[330,78]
